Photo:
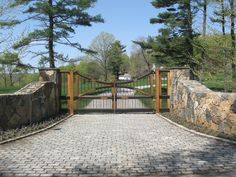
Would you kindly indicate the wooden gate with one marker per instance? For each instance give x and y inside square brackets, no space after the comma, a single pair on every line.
[149,93]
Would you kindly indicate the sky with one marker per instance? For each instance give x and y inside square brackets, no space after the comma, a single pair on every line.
[127,20]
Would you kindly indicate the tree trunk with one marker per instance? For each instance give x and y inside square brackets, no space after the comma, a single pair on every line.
[11,79]
[223,16]
[204,34]
[233,42]
[225,76]
[233,66]
[190,39]
[204,17]
[5,81]
[146,61]
[223,32]
[50,38]
[117,76]
[106,72]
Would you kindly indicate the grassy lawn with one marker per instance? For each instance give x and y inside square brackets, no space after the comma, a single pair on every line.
[84,86]
[28,78]
[9,89]
[216,81]
[147,102]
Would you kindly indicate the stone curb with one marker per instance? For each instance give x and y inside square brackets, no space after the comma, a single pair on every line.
[197,133]
[36,132]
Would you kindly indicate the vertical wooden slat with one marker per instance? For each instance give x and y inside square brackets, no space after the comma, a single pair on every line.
[168,88]
[160,75]
[77,91]
[151,90]
[60,89]
[114,101]
[157,77]
[71,91]
[68,89]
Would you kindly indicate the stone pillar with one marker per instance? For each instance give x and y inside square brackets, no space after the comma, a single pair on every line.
[52,75]
[176,74]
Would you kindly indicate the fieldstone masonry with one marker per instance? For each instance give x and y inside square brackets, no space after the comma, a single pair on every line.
[35,102]
[196,103]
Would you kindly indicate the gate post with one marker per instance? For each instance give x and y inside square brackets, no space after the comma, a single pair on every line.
[77,77]
[114,101]
[168,89]
[151,89]
[70,79]
[52,75]
[160,89]
[157,78]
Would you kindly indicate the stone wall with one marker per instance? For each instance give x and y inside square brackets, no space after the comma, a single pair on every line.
[196,103]
[35,102]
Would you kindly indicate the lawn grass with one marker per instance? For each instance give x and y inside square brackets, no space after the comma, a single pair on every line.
[9,89]
[28,78]
[152,105]
[216,81]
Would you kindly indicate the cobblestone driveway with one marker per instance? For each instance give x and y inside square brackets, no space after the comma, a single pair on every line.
[115,145]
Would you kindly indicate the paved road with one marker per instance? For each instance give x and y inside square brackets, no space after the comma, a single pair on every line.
[116,145]
[121,103]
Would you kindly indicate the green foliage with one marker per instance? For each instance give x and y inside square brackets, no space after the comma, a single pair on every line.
[19,81]
[8,58]
[175,42]
[58,19]
[85,67]
[216,81]
[8,23]
[9,89]
[116,62]
[213,52]
[141,59]
[101,46]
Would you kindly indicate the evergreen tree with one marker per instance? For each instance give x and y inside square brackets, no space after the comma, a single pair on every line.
[116,59]
[145,52]
[233,41]
[205,3]
[220,15]
[58,19]
[176,38]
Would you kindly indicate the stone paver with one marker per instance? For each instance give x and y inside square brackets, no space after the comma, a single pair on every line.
[116,145]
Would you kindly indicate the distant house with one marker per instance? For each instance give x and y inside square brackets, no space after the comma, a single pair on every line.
[125,77]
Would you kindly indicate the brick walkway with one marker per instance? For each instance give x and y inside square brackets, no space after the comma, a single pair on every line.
[115,145]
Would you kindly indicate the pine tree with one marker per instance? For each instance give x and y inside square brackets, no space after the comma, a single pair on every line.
[204,17]
[233,41]
[176,39]
[220,16]
[116,58]
[58,19]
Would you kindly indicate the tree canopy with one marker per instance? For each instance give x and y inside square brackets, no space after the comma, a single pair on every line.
[58,19]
